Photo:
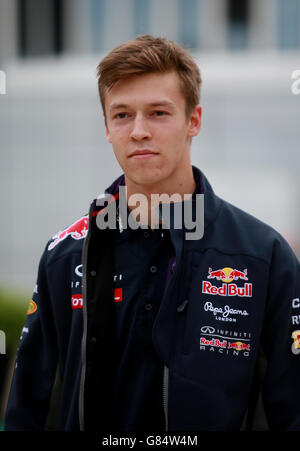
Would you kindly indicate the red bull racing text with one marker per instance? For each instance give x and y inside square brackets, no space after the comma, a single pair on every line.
[236,348]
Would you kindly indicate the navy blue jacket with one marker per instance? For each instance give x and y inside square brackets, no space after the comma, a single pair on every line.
[233,297]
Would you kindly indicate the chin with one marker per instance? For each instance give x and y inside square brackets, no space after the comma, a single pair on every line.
[145,178]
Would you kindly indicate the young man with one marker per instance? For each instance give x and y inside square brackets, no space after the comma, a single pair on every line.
[164,332]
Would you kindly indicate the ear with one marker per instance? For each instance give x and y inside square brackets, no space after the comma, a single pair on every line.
[107,134]
[195,121]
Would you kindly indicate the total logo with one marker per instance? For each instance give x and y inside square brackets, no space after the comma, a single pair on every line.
[227,276]
[222,343]
[77,301]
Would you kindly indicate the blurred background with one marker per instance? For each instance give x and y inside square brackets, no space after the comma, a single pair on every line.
[54,156]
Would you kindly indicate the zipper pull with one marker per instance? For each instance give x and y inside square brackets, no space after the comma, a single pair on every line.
[181,307]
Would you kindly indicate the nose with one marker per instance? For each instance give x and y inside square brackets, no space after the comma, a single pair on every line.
[140,130]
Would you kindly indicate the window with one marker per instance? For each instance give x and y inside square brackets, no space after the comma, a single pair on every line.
[238,19]
[40,27]
[288,19]
[188,23]
[98,25]
[141,16]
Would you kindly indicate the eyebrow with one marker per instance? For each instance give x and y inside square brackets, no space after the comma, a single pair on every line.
[116,106]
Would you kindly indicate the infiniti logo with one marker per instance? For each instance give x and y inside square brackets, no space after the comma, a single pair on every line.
[207,330]
[78,270]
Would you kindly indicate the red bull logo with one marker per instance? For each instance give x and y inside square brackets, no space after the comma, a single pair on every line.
[219,274]
[227,275]
[213,342]
[78,230]
[224,346]
[238,346]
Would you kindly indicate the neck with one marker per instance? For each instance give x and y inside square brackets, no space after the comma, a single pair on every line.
[174,188]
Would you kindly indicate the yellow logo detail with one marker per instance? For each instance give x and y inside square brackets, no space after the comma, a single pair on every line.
[32,307]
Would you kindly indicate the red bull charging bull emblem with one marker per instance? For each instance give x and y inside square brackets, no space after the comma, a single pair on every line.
[227,276]
[78,230]
[239,346]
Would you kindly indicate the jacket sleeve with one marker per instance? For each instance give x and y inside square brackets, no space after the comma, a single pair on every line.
[281,340]
[36,362]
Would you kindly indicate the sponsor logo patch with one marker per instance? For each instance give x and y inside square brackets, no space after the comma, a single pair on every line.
[78,230]
[227,275]
[32,307]
[77,301]
[225,313]
[296,320]
[76,283]
[118,294]
[296,344]
[78,270]
[224,341]
[296,306]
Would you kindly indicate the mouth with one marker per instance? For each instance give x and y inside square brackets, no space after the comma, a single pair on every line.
[142,154]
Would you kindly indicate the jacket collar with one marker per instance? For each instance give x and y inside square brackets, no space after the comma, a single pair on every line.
[212,205]
[211,201]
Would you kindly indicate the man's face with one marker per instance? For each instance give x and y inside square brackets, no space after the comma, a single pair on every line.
[147,126]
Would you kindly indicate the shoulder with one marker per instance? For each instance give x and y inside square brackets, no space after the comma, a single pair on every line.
[246,233]
[68,240]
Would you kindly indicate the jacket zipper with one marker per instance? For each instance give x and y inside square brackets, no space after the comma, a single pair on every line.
[166,369]
[165,394]
[84,336]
